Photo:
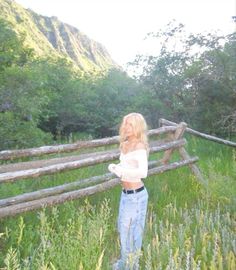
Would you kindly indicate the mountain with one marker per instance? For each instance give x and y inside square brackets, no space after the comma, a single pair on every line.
[48,36]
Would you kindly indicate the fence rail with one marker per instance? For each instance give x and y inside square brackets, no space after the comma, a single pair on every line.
[26,206]
[199,134]
[89,161]
[63,148]
[83,187]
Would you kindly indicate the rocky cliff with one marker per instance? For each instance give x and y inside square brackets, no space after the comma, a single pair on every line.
[49,36]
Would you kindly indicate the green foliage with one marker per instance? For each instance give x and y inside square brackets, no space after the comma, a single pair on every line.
[12,51]
[59,100]
[40,86]
[106,100]
[20,93]
[194,83]
[192,79]
[12,261]
[91,105]
[188,226]
[18,133]
[21,99]
[56,98]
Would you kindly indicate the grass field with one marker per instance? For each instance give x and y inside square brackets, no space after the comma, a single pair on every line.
[189,225]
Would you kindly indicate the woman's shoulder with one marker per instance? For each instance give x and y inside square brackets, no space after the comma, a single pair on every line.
[140,146]
[134,149]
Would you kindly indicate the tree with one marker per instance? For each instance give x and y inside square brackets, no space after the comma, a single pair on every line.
[12,48]
[191,79]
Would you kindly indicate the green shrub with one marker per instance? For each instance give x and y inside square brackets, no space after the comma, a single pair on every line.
[17,133]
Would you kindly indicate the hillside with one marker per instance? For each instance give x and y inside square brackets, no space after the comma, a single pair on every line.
[48,36]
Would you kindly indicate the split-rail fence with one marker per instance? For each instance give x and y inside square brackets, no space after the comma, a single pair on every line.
[16,171]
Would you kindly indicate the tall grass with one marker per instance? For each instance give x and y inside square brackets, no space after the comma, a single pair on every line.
[189,225]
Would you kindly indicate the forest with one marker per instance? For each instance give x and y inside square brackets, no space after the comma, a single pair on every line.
[44,100]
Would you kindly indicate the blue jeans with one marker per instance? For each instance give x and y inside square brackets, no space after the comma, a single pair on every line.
[131,222]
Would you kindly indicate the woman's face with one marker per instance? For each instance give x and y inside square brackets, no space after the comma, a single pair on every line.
[128,128]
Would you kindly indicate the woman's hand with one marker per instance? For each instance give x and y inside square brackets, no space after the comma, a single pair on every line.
[114,168]
[111,167]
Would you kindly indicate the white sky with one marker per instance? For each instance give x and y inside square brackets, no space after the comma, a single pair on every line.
[121,25]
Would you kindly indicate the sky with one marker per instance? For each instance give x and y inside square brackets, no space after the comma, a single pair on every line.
[121,25]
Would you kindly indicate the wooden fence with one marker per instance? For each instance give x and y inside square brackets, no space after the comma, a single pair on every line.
[164,122]
[83,187]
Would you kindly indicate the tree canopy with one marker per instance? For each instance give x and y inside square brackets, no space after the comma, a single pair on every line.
[192,79]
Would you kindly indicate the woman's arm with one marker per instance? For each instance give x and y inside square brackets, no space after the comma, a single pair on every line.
[129,173]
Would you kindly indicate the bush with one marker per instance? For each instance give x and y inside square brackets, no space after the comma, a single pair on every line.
[18,133]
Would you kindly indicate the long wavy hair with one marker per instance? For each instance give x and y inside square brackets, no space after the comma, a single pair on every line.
[139,127]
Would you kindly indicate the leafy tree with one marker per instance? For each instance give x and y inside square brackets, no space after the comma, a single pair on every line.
[215,99]
[15,133]
[12,48]
[19,103]
[191,79]
[110,98]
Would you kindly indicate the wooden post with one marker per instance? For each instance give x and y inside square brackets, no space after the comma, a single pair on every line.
[176,136]
[183,153]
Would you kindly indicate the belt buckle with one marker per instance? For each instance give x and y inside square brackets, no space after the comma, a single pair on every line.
[128,191]
[133,191]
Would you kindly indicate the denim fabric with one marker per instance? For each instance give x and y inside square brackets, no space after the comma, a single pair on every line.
[131,221]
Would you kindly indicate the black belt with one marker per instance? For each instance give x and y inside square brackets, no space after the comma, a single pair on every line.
[132,191]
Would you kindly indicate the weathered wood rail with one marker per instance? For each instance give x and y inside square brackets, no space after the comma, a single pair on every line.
[83,187]
[105,157]
[62,148]
[164,122]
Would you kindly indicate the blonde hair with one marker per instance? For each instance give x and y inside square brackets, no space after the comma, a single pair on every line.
[139,127]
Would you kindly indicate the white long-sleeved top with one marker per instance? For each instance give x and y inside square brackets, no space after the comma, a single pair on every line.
[132,167]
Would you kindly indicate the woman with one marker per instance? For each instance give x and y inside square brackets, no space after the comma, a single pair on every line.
[132,168]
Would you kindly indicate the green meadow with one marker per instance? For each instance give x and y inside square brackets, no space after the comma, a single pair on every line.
[189,225]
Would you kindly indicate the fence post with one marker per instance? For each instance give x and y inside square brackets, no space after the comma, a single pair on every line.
[176,136]
[183,153]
